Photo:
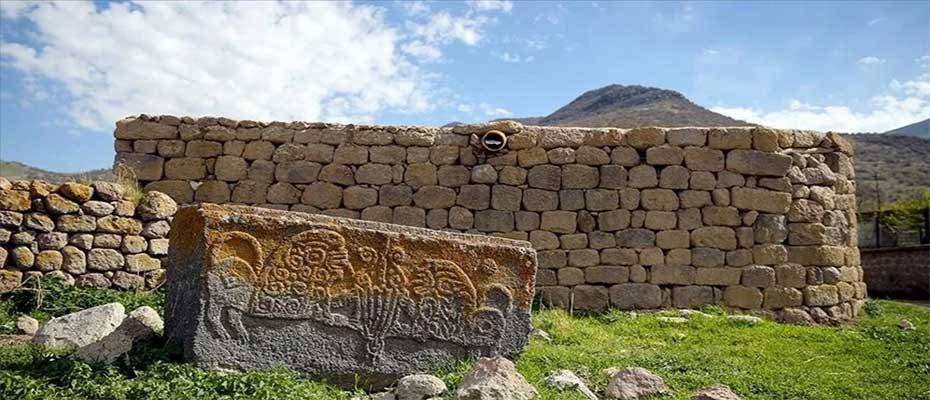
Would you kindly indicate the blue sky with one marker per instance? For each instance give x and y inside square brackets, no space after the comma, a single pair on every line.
[68,71]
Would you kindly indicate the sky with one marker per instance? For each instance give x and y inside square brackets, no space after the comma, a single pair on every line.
[69,70]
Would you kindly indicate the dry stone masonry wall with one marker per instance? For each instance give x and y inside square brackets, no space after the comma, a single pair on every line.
[89,235]
[750,218]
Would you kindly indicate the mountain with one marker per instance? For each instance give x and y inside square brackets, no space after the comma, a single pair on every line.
[899,162]
[632,106]
[17,170]
[918,129]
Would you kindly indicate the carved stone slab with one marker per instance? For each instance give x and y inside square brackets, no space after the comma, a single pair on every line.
[353,302]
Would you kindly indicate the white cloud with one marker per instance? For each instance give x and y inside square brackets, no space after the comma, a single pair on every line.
[507,57]
[482,110]
[491,5]
[422,51]
[710,52]
[870,60]
[15,8]
[313,60]
[906,103]
[874,21]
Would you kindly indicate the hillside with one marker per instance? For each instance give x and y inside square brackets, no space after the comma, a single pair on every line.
[632,106]
[901,163]
[918,129]
[17,170]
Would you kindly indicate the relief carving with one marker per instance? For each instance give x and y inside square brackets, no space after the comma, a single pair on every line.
[386,292]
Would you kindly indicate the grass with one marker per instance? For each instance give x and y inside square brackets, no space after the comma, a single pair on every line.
[872,359]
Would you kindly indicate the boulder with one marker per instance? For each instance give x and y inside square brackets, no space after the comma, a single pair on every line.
[79,329]
[419,387]
[493,379]
[272,281]
[634,383]
[141,324]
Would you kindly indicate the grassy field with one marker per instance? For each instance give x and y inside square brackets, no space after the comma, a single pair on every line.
[872,359]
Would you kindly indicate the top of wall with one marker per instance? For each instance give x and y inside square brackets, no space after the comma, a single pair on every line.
[143,127]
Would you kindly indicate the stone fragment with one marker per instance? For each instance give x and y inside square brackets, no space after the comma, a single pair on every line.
[634,384]
[98,208]
[495,291]
[141,324]
[419,387]
[79,329]
[492,379]
[704,159]
[26,325]
[567,380]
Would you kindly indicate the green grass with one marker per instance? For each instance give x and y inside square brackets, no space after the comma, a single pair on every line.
[872,359]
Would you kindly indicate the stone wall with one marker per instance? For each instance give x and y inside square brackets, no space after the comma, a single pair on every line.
[898,272]
[90,235]
[750,218]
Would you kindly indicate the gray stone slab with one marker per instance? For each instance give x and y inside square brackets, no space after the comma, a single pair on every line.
[348,301]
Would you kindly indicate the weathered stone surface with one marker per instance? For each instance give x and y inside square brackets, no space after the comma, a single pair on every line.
[494,379]
[752,162]
[79,329]
[419,387]
[634,384]
[279,280]
[141,324]
[715,392]
[761,200]
[156,205]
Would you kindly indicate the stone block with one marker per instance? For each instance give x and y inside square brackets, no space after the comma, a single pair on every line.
[717,237]
[718,276]
[761,200]
[545,177]
[636,238]
[185,168]
[430,197]
[474,197]
[704,159]
[692,296]
[743,297]
[821,295]
[590,298]
[578,176]
[642,176]
[570,276]
[147,167]
[672,275]
[635,296]
[606,274]
[753,162]
[540,200]
[781,297]
[758,276]
[345,306]
[494,221]
[559,221]
[213,192]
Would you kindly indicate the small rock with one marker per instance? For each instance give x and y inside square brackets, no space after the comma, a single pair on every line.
[744,319]
[81,328]
[566,380]
[143,323]
[715,392]
[906,325]
[383,396]
[419,387]
[634,383]
[493,379]
[26,325]
[672,320]
[540,334]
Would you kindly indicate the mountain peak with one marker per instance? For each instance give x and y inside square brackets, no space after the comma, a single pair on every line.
[630,106]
